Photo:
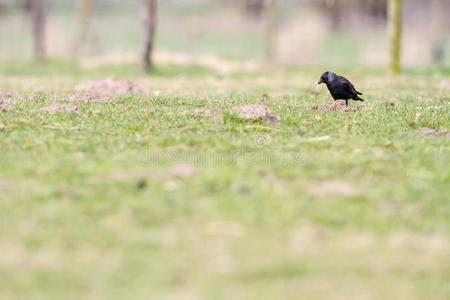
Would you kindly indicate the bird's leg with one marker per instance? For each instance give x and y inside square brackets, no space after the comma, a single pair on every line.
[346,102]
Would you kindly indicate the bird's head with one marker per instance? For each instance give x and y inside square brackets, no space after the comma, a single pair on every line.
[325,78]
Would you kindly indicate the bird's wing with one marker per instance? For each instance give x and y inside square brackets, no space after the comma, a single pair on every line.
[349,86]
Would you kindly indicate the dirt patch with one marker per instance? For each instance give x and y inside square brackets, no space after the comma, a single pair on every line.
[110,85]
[6,106]
[58,107]
[4,183]
[86,98]
[430,131]
[6,95]
[334,187]
[178,171]
[183,170]
[444,84]
[253,112]
[338,105]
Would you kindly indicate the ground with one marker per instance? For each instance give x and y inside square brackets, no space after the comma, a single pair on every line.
[167,194]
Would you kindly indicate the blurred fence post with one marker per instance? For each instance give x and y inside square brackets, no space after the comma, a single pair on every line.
[150,14]
[37,13]
[82,26]
[395,9]
[271,30]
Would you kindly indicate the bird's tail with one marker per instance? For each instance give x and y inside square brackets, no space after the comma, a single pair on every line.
[358,98]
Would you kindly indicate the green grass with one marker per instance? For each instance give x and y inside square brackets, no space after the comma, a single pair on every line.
[357,207]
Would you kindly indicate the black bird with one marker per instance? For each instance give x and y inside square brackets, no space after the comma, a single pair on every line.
[340,88]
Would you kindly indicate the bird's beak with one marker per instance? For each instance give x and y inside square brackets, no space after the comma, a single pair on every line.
[319,82]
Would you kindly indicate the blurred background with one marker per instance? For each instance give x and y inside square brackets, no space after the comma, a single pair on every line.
[299,32]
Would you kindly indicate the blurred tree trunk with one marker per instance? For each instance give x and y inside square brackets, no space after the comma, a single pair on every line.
[27,6]
[83,23]
[375,10]
[254,9]
[438,20]
[271,31]
[395,9]
[335,12]
[37,13]
[2,9]
[150,14]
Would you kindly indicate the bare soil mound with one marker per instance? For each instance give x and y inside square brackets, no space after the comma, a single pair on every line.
[6,106]
[338,105]
[6,95]
[253,112]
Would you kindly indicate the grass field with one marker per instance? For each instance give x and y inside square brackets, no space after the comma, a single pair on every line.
[94,204]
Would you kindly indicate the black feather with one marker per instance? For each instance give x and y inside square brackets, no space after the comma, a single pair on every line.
[340,87]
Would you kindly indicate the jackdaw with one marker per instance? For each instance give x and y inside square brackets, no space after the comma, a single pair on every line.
[340,87]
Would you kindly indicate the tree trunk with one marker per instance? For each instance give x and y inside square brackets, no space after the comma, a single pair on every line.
[82,27]
[37,13]
[271,31]
[395,8]
[2,10]
[335,12]
[254,8]
[150,14]
[27,6]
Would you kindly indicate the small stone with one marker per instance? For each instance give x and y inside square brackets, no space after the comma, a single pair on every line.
[141,184]
[300,132]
